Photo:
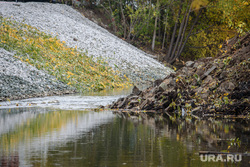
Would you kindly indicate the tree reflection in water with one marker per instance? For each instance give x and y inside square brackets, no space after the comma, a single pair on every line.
[87,138]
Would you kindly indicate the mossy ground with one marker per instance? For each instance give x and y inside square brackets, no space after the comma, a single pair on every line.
[48,53]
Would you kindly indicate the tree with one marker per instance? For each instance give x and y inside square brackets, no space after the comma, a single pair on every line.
[155,27]
[193,26]
[178,41]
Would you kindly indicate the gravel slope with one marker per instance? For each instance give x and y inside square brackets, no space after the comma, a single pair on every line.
[21,80]
[76,30]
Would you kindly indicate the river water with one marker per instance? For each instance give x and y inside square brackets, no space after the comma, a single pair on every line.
[67,131]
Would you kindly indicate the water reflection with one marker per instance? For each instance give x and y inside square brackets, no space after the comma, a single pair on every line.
[87,138]
[37,133]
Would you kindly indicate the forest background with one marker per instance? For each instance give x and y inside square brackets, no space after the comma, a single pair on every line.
[174,29]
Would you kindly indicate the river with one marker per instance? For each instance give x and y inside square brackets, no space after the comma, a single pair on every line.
[67,131]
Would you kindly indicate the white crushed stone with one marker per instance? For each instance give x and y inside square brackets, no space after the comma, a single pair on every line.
[13,67]
[21,80]
[68,24]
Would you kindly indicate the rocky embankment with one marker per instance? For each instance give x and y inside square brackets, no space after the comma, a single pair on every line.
[207,87]
[20,80]
[77,31]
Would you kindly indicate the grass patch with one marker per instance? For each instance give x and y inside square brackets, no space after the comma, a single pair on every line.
[50,54]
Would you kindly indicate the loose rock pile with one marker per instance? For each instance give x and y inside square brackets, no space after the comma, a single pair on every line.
[19,80]
[207,87]
[76,30]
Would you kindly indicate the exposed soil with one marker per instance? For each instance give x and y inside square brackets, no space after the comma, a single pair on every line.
[209,87]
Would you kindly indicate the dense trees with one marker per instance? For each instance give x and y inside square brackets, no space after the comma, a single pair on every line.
[193,28]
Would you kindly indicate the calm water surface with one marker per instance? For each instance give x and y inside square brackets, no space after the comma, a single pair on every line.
[61,131]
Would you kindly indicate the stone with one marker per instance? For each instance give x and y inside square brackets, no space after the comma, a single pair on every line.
[208,80]
[54,101]
[157,82]
[134,102]
[136,91]
[200,71]
[184,70]
[221,65]
[208,71]
[198,64]
[226,87]
[167,83]
[133,98]
[112,106]
[212,85]
[223,75]
[143,104]
[189,71]
[189,63]
[123,103]
[156,90]
[198,90]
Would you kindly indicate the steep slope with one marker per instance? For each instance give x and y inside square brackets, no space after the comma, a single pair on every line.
[21,80]
[77,31]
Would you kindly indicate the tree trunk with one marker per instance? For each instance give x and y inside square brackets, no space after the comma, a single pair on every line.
[123,20]
[165,30]
[179,35]
[156,19]
[159,30]
[154,35]
[112,18]
[166,58]
[150,4]
[189,34]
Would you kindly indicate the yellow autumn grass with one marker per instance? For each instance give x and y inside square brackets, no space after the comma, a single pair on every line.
[50,54]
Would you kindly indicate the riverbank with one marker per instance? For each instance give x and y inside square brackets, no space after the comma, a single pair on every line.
[77,52]
[77,31]
[20,80]
[210,87]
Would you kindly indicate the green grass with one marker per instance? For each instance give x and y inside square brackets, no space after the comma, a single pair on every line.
[50,54]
